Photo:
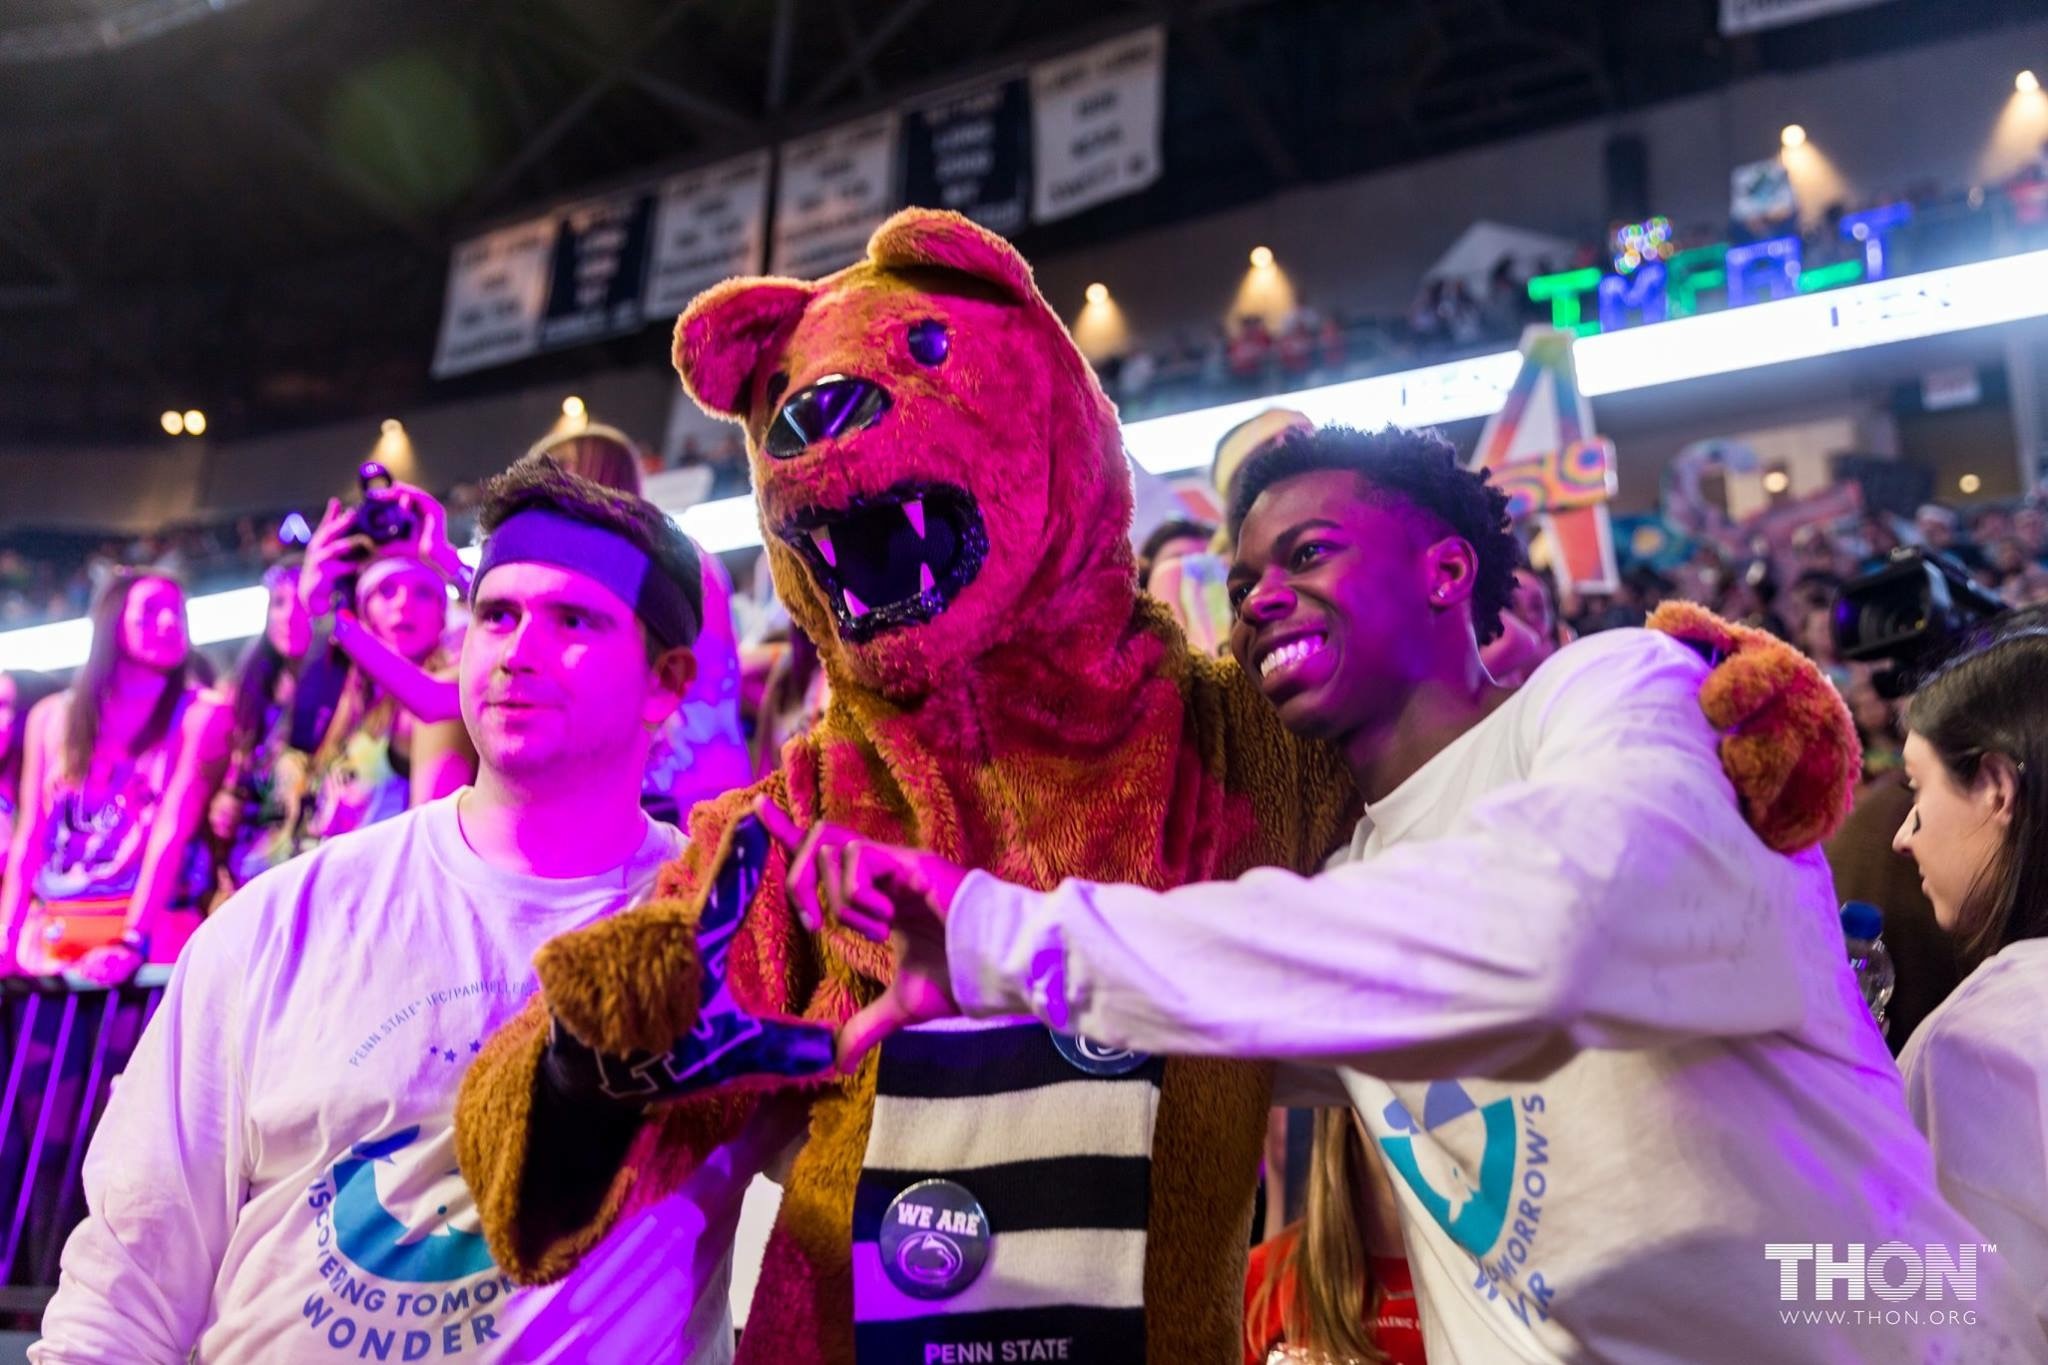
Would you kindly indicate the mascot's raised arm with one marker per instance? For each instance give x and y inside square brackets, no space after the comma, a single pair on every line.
[945,503]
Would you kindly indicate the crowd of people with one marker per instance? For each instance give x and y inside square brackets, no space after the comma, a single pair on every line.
[1789,587]
[1243,356]
[41,582]
[141,798]
[148,790]
[1786,583]
[51,576]
[1565,914]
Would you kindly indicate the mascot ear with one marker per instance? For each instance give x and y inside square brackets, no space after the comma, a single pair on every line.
[727,330]
[949,241]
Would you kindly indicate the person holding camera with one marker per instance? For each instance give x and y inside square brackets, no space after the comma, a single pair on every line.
[377,712]
[1977,1068]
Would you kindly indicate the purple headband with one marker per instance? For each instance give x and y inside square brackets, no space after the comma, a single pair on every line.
[541,536]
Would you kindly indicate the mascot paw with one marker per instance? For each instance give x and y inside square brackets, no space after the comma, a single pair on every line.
[647,1005]
[1787,741]
[627,983]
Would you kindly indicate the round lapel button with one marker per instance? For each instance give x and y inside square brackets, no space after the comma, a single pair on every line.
[935,1239]
[1098,1059]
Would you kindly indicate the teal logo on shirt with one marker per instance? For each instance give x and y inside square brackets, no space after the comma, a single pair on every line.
[378,1242]
[1473,1211]
[397,1278]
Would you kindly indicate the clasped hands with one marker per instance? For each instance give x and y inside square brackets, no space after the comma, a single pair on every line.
[882,892]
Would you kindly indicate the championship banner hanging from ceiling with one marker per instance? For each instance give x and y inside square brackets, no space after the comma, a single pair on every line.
[1095,119]
[597,271]
[831,192]
[970,151]
[1074,132]
[497,288]
[708,226]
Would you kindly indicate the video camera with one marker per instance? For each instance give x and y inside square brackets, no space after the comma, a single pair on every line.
[1913,612]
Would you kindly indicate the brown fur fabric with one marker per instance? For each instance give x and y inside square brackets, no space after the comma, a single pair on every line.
[1049,724]
[1787,739]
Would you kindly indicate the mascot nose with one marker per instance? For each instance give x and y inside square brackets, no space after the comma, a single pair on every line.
[834,406]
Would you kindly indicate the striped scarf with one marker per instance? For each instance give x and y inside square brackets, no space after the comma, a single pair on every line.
[1059,1161]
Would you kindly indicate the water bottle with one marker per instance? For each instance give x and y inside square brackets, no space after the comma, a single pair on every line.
[1863,930]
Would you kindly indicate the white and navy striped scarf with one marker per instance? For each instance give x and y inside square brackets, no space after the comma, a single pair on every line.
[1061,1163]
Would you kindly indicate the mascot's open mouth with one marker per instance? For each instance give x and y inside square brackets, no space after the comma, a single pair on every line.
[892,559]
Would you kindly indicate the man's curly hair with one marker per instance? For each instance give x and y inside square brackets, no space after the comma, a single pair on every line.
[1419,469]
[538,481]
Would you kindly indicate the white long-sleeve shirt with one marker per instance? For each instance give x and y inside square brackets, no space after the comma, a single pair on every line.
[274,1180]
[1605,1040]
[1977,1082]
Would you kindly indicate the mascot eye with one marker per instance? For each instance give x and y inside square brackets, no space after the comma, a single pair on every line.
[777,384]
[929,342]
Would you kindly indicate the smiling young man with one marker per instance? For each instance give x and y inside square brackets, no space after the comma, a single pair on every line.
[1603,1038]
[275,1178]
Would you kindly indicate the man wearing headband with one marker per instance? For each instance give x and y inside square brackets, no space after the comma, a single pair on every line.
[275,1179]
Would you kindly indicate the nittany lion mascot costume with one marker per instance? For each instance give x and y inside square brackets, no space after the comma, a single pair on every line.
[945,502]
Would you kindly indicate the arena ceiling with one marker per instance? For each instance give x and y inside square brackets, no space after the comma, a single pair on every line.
[247,205]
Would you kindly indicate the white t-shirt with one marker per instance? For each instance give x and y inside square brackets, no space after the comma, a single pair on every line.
[275,1182]
[1566,900]
[1977,1080]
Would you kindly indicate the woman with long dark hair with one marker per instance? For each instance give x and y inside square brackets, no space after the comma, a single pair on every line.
[255,814]
[1977,1068]
[104,872]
